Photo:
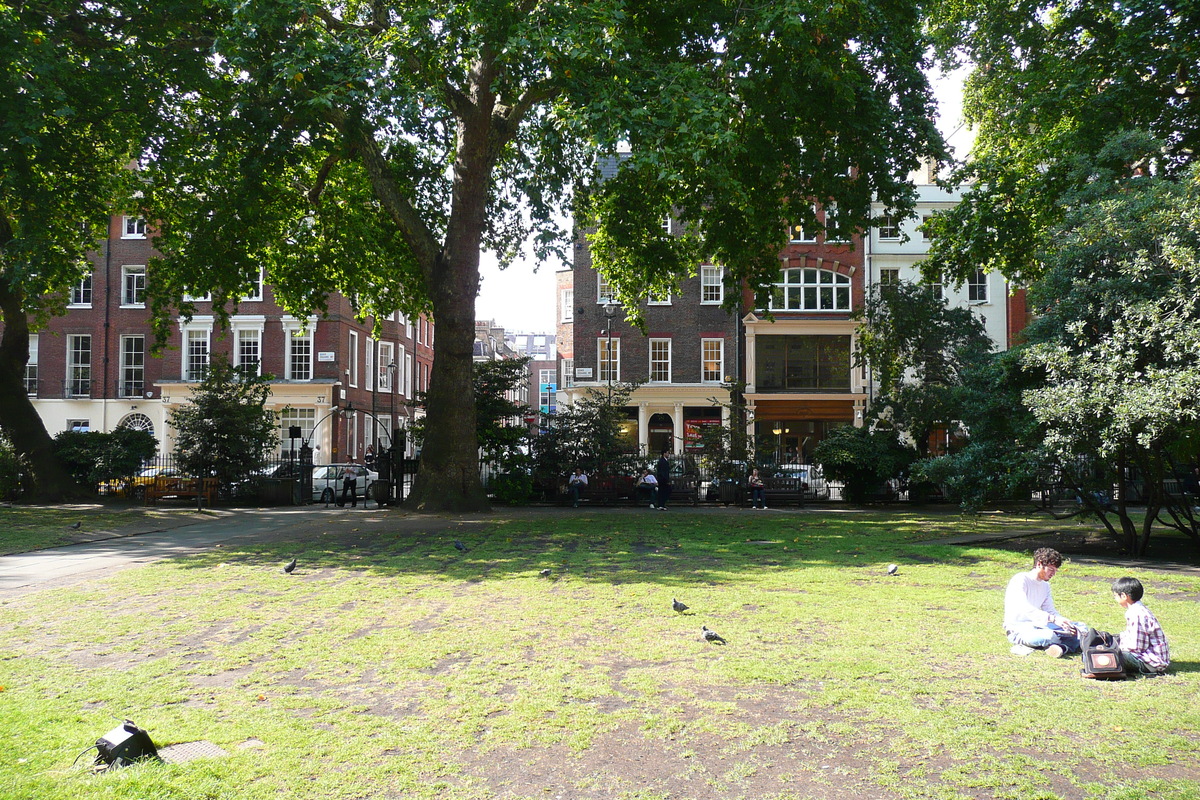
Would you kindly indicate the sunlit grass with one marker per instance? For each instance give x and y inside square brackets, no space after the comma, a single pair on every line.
[391,665]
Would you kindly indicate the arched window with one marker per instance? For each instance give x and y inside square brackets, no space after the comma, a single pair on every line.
[137,422]
[808,289]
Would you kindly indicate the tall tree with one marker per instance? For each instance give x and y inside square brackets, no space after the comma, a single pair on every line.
[78,82]
[1057,86]
[1118,339]
[918,348]
[224,429]
[375,148]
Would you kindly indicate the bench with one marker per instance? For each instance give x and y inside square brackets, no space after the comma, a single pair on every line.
[783,491]
[623,490]
[177,486]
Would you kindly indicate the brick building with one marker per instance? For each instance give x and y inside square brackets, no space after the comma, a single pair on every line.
[92,369]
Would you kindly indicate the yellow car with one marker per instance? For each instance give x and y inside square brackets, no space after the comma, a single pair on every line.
[135,487]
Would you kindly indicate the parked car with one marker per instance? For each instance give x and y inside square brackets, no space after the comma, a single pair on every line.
[327,481]
[135,487]
[813,476]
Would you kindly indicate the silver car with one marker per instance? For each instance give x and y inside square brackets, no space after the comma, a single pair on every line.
[327,481]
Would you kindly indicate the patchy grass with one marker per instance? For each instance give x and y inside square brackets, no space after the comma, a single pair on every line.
[389,665]
[27,528]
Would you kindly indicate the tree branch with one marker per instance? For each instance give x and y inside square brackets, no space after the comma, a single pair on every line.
[376,26]
[412,228]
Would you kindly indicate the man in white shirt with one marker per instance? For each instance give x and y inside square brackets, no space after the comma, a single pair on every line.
[1030,619]
[577,483]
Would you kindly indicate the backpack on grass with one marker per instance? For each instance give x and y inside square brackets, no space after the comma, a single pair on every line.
[1102,656]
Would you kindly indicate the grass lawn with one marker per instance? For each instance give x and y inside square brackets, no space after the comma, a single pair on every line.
[26,528]
[390,665]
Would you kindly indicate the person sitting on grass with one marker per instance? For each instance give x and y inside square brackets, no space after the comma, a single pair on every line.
[1143,643]
[1030,619]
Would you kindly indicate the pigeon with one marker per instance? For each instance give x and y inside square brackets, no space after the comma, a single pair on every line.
[712,636]
[75,526]
[289,566]
[545,573]
[459,546]
[678,606]
[893,569]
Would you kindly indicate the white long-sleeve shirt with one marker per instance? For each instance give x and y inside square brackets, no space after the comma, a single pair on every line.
[1028,600]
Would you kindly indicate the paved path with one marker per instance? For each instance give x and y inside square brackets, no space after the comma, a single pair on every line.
[57,566]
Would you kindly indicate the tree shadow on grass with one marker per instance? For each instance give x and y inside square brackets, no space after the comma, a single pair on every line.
[611,548]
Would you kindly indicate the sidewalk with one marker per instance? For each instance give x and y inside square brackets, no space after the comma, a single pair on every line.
[115,550]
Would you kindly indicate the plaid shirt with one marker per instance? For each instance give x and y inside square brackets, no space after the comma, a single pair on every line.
[1143,637]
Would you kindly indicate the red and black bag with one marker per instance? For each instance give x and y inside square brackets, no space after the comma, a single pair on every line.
[1102,656]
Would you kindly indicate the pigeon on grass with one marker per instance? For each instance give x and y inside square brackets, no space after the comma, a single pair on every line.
[289,566]
[893,569]
[711,636]
[459,546]
[545,573]
[678,606]
[74,526]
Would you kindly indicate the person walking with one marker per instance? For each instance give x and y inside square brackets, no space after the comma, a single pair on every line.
[349,486]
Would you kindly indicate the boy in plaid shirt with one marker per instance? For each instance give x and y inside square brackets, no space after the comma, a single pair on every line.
[1143,643]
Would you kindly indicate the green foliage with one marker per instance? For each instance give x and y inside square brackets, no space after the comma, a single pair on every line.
[588,435]
[862,459]
[499,421]
[1002,459]
[918,349]
[95,457]
[224,429]
[1118,339]
[500,660]
[1057,84]
[10,470]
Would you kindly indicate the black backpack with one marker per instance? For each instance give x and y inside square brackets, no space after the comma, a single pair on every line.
[1102,656]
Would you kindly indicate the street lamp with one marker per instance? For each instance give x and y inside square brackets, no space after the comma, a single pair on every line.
[778,431]
[610,313]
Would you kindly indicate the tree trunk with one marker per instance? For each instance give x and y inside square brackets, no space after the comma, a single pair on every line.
[18,418]
[448,478]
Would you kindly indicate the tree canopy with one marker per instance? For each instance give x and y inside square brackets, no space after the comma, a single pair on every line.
[375,149]
[78,86]
[1064,94]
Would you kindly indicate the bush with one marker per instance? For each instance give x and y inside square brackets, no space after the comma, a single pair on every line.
[10,471]
[862,459]
[93,458]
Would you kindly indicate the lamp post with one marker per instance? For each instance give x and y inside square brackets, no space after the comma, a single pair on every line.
[392,460]
[778,431]
[610,312]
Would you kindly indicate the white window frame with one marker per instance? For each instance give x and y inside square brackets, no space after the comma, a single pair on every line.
[653,301]
[196,359]
[890,229]
[79,371]
[131,272]
[303,418]
[297,332]
[255,294]
[369,364]
[798,234]
[567,300]
[567,379]
[608,367]
[31,367]
[81,293]
[657,362]
[604,292]
[926,236]
[352,361]
[706,375]
[408,374]
[127,369]
[977,288]
[387,355]
[249,328]
[133,228]
[803,286]
[889,276]
[712,276]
